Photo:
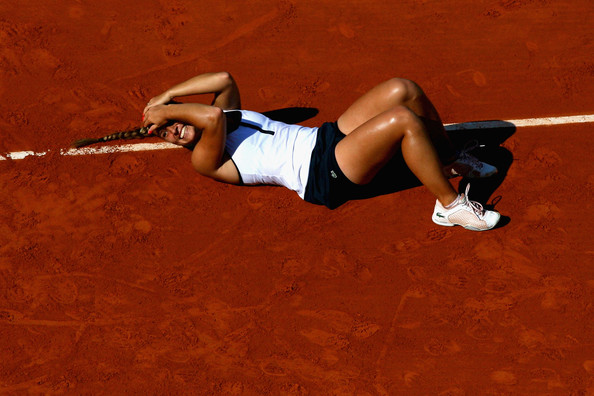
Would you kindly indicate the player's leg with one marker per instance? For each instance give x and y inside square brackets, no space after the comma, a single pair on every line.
[367,148]
[403,92]
[399,92]
[364,151]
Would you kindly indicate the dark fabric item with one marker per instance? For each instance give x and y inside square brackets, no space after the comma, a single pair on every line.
[326,184]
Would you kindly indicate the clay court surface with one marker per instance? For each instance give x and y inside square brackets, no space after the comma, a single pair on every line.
[128,273]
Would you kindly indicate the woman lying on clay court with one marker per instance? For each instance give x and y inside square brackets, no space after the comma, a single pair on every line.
[323,165]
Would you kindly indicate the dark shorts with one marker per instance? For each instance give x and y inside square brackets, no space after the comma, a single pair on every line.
[326,184]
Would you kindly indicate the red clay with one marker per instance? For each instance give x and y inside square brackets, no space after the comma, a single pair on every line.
[131,273]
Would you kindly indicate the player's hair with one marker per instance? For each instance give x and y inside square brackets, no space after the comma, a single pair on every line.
[133,134]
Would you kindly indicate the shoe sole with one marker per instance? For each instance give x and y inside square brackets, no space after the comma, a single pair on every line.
[468,227]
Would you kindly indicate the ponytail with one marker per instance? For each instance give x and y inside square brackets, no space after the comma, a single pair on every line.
[133,134]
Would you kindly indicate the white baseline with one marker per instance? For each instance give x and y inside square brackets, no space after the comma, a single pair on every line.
[526,122]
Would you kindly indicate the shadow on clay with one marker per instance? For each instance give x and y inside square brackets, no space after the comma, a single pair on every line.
[491,152]
[292,115]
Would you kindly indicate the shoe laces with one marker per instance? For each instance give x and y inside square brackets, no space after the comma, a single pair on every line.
[476,207]
[465,155]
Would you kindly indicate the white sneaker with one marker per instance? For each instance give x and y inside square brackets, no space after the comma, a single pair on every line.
[467,165]
[466,213]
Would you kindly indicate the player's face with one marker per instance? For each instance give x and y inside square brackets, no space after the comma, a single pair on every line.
[177,133]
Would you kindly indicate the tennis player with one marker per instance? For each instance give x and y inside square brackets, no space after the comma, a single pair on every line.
[326,165]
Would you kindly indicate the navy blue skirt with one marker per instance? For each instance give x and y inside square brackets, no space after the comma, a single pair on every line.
[326,184]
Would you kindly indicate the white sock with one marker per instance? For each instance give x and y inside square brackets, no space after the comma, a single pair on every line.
[450,206]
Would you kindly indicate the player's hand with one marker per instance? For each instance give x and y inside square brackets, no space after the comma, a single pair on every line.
[161,99]
[155,117]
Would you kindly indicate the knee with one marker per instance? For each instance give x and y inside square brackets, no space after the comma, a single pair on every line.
[401,116]
[404,121]
[403,90]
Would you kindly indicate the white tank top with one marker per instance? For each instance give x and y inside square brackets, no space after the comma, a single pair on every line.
[271,152]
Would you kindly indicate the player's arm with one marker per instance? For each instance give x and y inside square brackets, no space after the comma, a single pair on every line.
[221,84]
[210,121]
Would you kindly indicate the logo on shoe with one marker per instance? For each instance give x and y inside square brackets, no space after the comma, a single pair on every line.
[439,215]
